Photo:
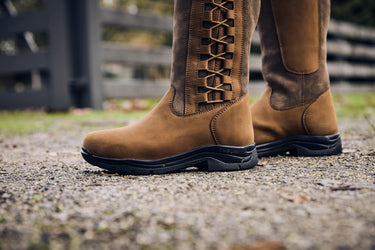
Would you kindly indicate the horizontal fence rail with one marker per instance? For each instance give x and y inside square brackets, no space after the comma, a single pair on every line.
[24,62]
[137,21]
[33,21]
[349,30]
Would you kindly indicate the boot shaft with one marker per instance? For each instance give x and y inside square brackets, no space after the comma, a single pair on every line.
[293,43]
[211,49]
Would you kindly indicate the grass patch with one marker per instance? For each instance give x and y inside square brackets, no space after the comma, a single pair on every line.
[355,105]
[30,122]
[348,106]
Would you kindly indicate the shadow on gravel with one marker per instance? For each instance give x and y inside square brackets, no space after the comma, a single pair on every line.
[110,173]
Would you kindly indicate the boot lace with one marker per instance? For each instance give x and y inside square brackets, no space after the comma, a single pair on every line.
[216,53]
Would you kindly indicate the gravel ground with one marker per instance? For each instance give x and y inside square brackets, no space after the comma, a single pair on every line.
[51,199]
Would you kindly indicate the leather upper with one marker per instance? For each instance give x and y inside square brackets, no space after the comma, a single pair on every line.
[314,118]
[207,103]
[162,133]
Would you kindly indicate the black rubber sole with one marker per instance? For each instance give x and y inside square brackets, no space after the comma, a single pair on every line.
[302,145]
[208,158]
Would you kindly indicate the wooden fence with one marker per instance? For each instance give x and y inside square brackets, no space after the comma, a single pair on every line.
[70,69]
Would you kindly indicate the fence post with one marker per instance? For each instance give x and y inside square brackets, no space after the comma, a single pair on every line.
[59,74]
[85,33]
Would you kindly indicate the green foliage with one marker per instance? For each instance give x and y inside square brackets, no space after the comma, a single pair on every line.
[139,38]
[160,7]
[32,122]
[355,105]
[356,11]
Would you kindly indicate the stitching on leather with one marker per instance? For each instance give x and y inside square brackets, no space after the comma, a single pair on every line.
[187,58]
[304,121]
[303,90]
[222,111]
[305,113]
[320,32]
[202,4]
[242,49]
[188,63]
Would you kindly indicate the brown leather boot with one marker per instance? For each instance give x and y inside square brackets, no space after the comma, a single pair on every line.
[203,119]
[295,114]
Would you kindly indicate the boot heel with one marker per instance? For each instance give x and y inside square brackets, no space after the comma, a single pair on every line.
[227,162]
[302,145]
[319,146]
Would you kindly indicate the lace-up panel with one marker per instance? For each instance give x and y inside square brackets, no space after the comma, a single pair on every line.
[216,53]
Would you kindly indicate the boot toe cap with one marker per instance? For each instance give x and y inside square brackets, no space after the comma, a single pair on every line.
[92,143]
[99,143]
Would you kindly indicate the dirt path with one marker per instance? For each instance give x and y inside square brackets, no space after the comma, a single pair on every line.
[51,199]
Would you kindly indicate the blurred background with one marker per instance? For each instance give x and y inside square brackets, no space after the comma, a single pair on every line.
[58,54]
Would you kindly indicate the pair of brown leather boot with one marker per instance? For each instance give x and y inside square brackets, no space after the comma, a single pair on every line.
[205,120]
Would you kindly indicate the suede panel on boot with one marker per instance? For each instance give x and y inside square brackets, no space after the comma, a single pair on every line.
[290,90]
[162,133]
[299,46]
[180,39]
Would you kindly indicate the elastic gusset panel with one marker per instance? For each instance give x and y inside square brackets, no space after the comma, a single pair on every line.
[297,26]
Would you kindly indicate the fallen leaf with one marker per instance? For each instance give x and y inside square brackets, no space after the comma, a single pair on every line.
[295,198]
[136,104]
[262,163]
[348,151]
[261,245]
[52,153]
[94,184]
[108,173]
[345,188]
